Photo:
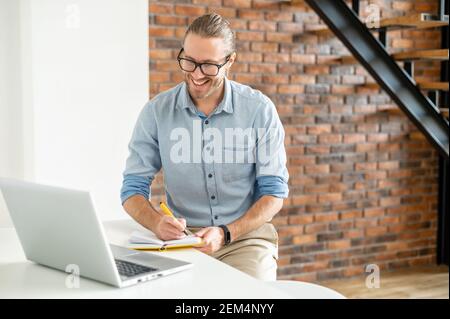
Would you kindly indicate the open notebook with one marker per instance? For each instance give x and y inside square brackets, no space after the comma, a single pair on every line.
[148,241]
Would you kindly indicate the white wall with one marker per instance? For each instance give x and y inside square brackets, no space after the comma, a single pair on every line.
[85,81]
[11,137]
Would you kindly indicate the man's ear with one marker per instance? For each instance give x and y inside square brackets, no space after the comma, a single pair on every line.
[230,62]
[232,58]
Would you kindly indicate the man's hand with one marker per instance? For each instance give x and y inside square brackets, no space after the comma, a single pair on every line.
[169,228]
[213,239]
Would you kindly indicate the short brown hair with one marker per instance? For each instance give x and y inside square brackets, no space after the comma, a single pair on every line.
[213,25]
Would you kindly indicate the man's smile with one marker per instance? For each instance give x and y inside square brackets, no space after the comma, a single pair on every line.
[200,83]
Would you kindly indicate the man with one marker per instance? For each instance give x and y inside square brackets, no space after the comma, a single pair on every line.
[221,147]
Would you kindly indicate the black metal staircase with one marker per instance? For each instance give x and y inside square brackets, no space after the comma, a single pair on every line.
[398,84]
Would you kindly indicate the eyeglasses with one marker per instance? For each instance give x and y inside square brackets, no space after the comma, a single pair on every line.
[208,69]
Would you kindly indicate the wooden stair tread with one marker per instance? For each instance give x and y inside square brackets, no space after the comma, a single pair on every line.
[397,111]
[440,54]
[371,86]
[346,59]
[320,30]
[426,85]
[418,21]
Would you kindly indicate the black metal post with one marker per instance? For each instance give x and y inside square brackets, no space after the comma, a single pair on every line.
[434,97]
[443,9]
[409,68]
[382,36]
[443,235]
[443,216]
[442,4]
[355,6]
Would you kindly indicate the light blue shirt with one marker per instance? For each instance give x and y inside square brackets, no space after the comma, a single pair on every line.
[214,167]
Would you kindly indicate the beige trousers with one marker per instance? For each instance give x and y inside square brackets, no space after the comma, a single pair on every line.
[254,253]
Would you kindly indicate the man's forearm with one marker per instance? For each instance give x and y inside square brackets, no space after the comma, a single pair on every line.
[261,212]
[142,211]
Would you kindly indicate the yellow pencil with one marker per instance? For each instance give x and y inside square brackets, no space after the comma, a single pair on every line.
[168,212]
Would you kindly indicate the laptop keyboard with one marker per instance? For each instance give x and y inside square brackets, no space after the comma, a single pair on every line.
[129,269]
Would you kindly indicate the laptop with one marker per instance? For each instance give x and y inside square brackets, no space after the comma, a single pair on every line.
[59,228]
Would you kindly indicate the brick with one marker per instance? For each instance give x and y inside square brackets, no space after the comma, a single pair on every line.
[263,68]
[317,69]
[342,89]
[290,230]
[402,5]
[303,79]
[208,2]
[171,20]
[237,3]
[250,36]
[279,16]
[374,212]
[275,79]
[338,244]
[167,65]
[167,44]
[190,10]
[248,78]
[326,217]
[265,47]
[402,44]
[160,8]
[300,220]
[303,239]
[354,138]
[290,89]
[303,58]
[375,231]
[319,129]
[224,12]
[262,26]
[351,214]
[159,77]
[265,5]
[330,197]
[250,14]
[317,169]
[156,54]
[278,37]
[160,31]
[276,57]
[249,57]
[304,199]
[292,27]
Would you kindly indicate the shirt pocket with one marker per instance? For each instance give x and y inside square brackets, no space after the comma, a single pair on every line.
[238,163]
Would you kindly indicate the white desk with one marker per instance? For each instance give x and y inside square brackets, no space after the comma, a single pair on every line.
[208,278]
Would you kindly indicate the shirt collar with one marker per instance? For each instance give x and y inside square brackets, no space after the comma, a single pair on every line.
[184,100]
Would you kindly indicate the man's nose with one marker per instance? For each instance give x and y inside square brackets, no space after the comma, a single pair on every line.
[197,74]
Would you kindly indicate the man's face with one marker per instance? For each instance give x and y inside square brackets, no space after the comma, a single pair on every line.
[200,50]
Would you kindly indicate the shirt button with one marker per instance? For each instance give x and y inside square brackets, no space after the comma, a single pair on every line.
[216,217]
[213,197]
[206,122]
[209,175]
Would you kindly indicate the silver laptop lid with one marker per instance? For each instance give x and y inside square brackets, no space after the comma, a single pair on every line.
[58,227]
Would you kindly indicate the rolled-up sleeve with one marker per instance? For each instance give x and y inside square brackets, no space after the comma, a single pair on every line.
[271,172]
[271,185]
[144,159]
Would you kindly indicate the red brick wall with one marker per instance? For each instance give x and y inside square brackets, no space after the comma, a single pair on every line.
[363,185]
